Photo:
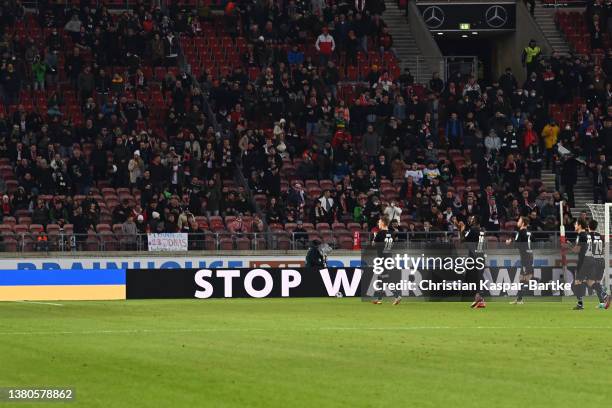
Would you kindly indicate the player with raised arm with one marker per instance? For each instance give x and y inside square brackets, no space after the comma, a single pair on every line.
[474,236]
[383,242]
[595,265]
[522,239]
[580,277]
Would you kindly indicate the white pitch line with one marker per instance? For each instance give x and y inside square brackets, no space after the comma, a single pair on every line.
[246,330]
[39,303]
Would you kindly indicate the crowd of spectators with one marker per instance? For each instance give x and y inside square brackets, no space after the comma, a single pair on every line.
[106,120]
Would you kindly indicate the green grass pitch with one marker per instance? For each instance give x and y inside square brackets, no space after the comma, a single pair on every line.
[308,353]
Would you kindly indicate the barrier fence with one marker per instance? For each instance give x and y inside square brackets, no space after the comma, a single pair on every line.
[212,241]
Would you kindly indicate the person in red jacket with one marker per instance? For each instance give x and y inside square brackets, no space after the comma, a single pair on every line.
[529,135]
[325,45]
[385,40]
[341,135]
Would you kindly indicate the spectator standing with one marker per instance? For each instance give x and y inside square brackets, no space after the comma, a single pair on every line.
[435,83]
[507,82]
[454,131]
[39,71]
[531,56]
[136,168]
[601,176]
[352,47]
[73,66]
[370,144]
[11,84]
[550,134]
[171,49]
[81,226]
[325,45]
[129,232]
[327,206]
[86,84]
[393,212]
[385,40]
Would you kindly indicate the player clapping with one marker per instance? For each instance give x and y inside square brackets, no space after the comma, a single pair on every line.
[580,277]
[474,236]
[383,242]
[594,264]
[522,239]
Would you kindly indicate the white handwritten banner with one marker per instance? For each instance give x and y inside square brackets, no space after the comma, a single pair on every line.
[168,242]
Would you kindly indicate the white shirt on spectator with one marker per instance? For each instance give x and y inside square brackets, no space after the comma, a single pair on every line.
[393,212]
[471,88]
[327,203]
[324,39]
[417,175]
[73,25]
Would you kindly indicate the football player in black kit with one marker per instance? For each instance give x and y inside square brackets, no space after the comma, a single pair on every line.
[475,237]
[595,265]
[383,242]
[581,275]
[522,239]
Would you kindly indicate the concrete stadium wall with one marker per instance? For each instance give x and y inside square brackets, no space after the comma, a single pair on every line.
[427,45]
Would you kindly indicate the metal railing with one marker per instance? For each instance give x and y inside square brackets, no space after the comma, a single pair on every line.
[422,67]
[277,240]
[465,65]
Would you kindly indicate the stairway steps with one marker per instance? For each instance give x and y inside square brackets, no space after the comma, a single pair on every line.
[544,17]
[582,191]
[405,46]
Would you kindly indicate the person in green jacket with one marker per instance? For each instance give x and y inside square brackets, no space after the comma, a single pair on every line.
[39,70]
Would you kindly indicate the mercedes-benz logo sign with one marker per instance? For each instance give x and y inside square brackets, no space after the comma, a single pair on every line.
[433,16]
[496,16]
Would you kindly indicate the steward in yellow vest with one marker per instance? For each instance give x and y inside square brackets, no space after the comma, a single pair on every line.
[530,57]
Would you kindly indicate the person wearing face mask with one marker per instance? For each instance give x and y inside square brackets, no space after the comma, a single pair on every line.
[533,83]
[532,102]
[517,99]
[507,82]
[566,135]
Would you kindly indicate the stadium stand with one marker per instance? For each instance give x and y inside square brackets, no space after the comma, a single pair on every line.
[259,127]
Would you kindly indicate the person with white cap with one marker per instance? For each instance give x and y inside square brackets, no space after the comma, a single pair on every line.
[155,221]
[141,226]
[279,130]
[136,168]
